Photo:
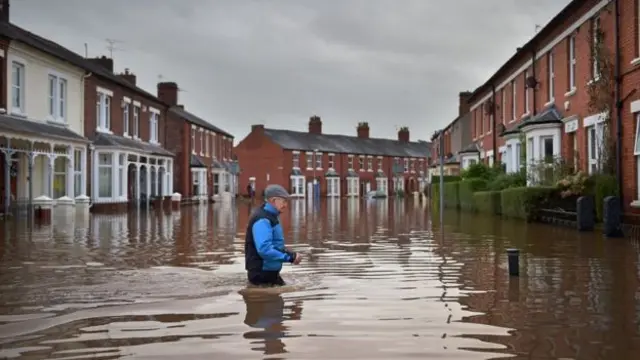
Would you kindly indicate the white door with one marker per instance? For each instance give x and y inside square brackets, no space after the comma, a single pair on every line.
[310,190]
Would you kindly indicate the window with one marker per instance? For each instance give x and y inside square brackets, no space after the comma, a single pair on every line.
[216,184]
[57,98]
[125,118]
[514,102]
[406,165]
[153,127]
[546,148]
[17,87]
[297,186]
[121,170]
[572,62]
[309,160]
[421,165]
[595,141]
[201,142]
[77,173]
[296,160]
[530,149]
[105,175]
[136,121]
[350,162]
[413,165]
[206,144]
[595,37]
[214,150]
[516,164]
[526,93]
[490,124]
[59,177]
[332,164]
[504,105]
[507,157]
[361,162]
[370,163]
[193,139]
[379,163]
[103,111]
[318,160]
[550,72]
[636,150]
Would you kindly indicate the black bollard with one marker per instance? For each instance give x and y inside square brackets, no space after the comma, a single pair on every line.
[514,261]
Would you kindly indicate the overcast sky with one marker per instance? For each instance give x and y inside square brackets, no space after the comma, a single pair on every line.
[240,62]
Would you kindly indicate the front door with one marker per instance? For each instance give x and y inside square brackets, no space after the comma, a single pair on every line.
[13,178]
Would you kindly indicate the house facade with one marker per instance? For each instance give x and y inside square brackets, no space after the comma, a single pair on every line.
[129,164]
[42,146]
[316,164]
[456,136]
[205,167]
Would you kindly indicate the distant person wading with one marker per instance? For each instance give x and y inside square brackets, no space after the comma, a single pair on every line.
[264,250]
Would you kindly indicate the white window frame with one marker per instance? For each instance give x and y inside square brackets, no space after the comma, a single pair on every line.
[331,161]
[514,102]
[59,172]
[572,63]
[18,90]
[333,187]
[77,173]
[636,153]
[542,140]
[527,104]
[57,98]
[126,117]
[551,78]
[353,186]
[380,166]
[136,121]
[361,163]
[103,110]
[296,160]
[109,184]
[350,162]
[318,159]
[154,119]
[382,184]
[201,131]
[370,163]
[504,105]
[406,165]
[122,159]
[309,158]
[298,186]
[214,150]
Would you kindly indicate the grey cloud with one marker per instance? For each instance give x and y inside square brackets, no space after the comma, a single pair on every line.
[388,62]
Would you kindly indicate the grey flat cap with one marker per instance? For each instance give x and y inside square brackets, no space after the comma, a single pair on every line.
[275,190]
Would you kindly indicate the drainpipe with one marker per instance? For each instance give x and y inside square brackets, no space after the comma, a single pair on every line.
[533,73]
[618,101]
[493,126]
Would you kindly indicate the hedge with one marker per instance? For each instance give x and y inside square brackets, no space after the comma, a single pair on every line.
[452,195]
[488,202]
[525,202]
[447,178]
[605,185]
[466,190]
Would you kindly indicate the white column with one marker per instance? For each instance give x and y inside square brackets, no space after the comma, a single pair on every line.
[70,172]
[52,159]
[125,176]
[84,170]
[159,184]
[95,179]
[115,183]
[148,180]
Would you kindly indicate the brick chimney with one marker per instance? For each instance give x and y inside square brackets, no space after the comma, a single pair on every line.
[464,106]
[403,134]
[128,77]
[168,93]
[4,11]
[315,125]
[257,128]
[104,62]
[363,130]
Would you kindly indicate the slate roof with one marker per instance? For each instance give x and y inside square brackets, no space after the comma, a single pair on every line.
[17,33]
[549,115]
[304,141]
[331,173]
[470,149]
[102,139]
[352,174]
[9,123]
[196,162]
[184,114]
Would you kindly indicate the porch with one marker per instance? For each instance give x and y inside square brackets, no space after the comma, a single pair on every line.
[224,178]
[40,163]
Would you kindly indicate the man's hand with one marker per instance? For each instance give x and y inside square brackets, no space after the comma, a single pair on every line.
[297,259]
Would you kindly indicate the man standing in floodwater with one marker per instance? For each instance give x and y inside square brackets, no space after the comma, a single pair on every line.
[264,250]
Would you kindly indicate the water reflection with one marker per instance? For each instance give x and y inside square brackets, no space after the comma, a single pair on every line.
[380,281]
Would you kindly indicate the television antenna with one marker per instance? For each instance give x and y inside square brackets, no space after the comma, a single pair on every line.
[111,46]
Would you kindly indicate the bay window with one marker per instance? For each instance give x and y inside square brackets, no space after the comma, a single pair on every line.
[105,175]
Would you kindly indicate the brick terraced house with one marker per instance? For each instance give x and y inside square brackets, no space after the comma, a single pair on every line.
[205,167]
[342,165]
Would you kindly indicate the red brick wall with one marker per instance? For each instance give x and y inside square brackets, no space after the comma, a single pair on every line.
[178,144]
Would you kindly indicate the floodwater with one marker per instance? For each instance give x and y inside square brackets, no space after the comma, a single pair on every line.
[379,281]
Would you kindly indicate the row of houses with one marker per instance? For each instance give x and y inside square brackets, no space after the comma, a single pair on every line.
[74,131]
[569,93]
[315,164]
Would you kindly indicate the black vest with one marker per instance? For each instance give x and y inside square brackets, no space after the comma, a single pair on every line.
[252,260]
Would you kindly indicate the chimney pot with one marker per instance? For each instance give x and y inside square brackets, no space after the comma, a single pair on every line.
[103,61]
[168,93]
[315,125]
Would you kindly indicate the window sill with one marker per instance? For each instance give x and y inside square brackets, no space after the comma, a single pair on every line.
[593,81]
[319,169]
[103,130]
[549,103]
[309,169]
[635,204]
[571,92]
[635,62]
[59,122]
[527,114]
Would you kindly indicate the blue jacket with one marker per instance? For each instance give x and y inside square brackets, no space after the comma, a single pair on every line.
[264,248]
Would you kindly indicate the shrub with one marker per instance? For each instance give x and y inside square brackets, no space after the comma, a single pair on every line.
[525,202]
[482,171]
[447,178]
[603,186]
[573,185]
[488,202]
[466,190]
[506,181]
[452,195]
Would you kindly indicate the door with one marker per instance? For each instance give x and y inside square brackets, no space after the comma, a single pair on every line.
[13,178]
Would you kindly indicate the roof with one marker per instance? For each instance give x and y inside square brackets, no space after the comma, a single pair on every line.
[197,120]
[10,123]
[109,140]
[550,115]
[304,141]
[528,47]
[470,149]
[17,33]
[196,162]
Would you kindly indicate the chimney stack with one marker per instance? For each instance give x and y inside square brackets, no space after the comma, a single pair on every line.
[168,93]
[363,130]
[128,77]
[257,127]
[463,106]
[104,62]
[315,125]
[403,134]
[4,11]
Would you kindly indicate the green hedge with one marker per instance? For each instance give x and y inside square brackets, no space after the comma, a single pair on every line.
[525,202]
[447,178]
[466,190]
[452,195]
[488,202]
[605,185]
